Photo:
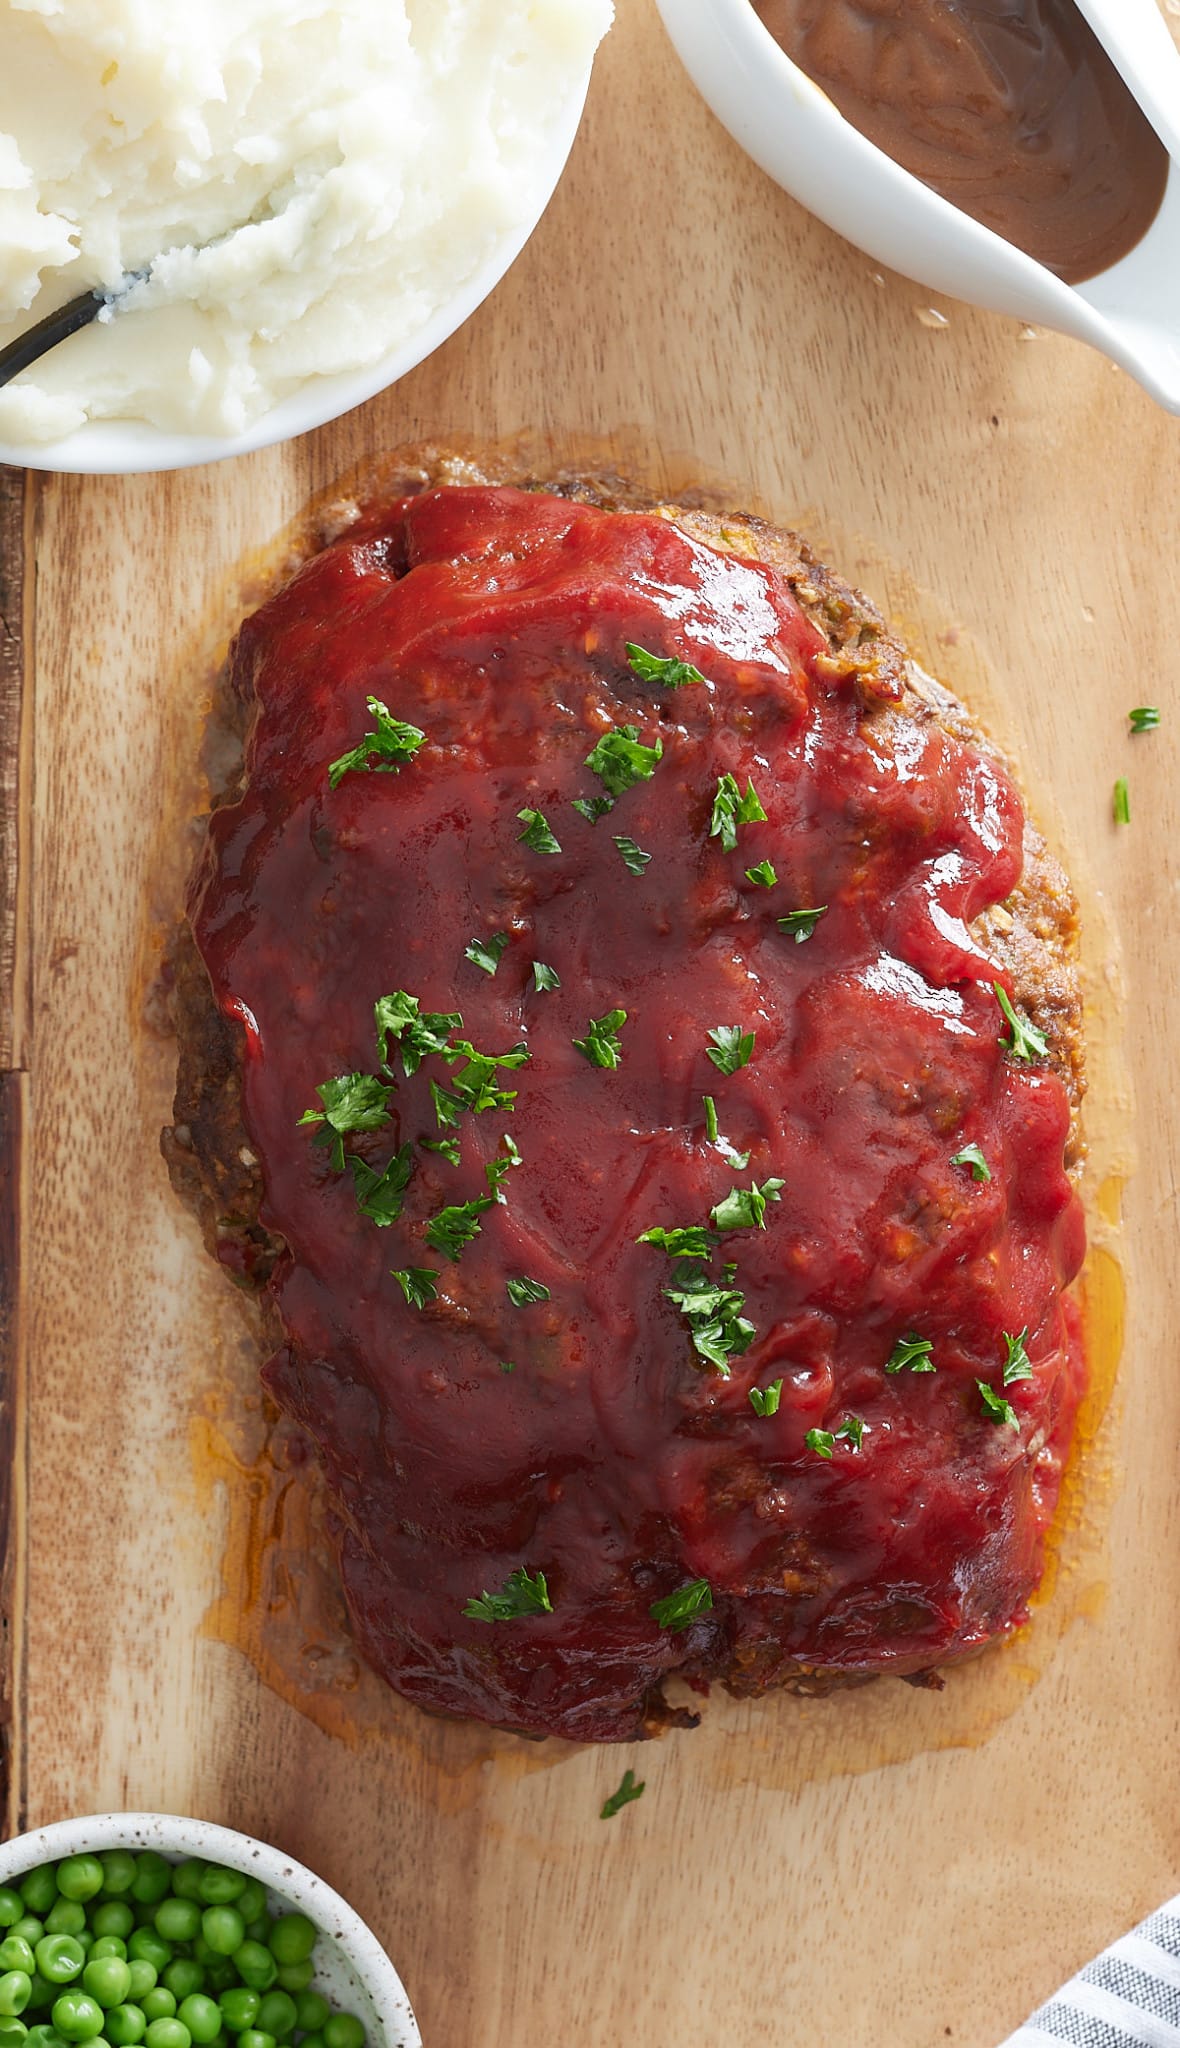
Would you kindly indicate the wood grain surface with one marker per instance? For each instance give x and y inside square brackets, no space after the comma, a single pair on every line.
[893,1868]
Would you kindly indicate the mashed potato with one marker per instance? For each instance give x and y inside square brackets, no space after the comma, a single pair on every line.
[309,180]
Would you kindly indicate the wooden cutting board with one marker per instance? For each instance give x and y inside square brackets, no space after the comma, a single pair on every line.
[894,1868]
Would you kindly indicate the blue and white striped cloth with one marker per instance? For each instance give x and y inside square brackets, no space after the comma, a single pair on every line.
[1128,1997]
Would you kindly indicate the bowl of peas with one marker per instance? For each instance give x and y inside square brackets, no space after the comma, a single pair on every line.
[142,1930]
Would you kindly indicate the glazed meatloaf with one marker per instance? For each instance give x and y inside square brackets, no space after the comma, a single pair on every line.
[629,1040]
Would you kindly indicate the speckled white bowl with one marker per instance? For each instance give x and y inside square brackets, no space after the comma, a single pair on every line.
[352,1968]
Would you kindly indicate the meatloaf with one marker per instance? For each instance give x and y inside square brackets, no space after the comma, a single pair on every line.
[630,1042]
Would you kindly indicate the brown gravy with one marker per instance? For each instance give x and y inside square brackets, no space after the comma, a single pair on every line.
[1011,109]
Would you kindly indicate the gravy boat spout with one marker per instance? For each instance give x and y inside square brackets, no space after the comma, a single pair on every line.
[1131,312]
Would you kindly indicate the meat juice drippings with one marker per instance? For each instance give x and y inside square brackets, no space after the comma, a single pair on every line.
[1011,109]
[609,1456]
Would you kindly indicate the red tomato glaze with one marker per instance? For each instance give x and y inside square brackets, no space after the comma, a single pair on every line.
[612,1458]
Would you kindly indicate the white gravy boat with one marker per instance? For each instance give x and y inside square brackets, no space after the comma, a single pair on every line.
[789,126]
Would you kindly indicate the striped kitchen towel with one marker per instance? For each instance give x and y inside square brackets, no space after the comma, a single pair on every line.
[1128,1997]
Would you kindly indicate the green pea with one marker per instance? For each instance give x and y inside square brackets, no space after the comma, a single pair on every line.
[15,1986]
[43,1993]
[84,1939]
[158,2004]
[143,1977]
[108,1981]
[222,1930]
[80,1878]
[239,2007]
[16,1954]
[44,2036]
[65,1916]
[153,1877]
[183,1977]
[124,2026]
[76,2016]
[12,1906]
[251,1902]
[59,1958]
[254,1964]
[38,1889]
[255,2038]
[114,1917]
[221,1887]
[118,1873]
[276,2015]
[312,2040]
[177,1919]
[169,2033]
[343,2030]
[108,1945]
[186,1879]
[12,2031]
[146,1946]
[292,1938]
[28,1929]
[201,2015]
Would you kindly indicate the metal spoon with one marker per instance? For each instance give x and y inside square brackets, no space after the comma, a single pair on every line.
[37,341]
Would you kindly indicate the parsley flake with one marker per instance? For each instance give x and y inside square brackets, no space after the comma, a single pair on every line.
[418,1033]
[620,759]
[853,1429]
[519,1595]
[544,977]
[913,1354]
[634,858]
[731,1047]
[680,1609]
[507,1365]
[453,1229]
[537,834]
[524,1291]
[351,1102]
[449,1147]
[731,809]
[823,1441]
[763,875]
[995,1406]
[601,1045]
[1018,1364]
[497,1170]
[765,1400]
[693,1242]
[379,1196]
[1026,1042]
[800,924]
[732,1157]
[419,1284]
[486,953]
[712,1311]
[665,669]
[592,808]
[386,751]
[1144,718]
[972,1156]
[745,1208]
[1121,802]
[627,1791]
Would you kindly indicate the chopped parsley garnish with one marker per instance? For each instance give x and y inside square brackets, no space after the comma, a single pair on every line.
[537,834]
[679,1609]
[520,1594]
[601,1045]
[732,1157]
[352,1102]
[379,1196]
[419,1284]
[634,858]
[497,1170]
[620,759]
[474,1087]
[972,1156]
[592,808]
[664,669]
[693,1242]
[911,1354]
[1018,1364]
[731,809]
[628,1790]
[800,924]
[418,1033]
[449,1147]
[455,1226]
[823,1441]
[386,751]
[1144,718]
[765,1400]
[1122,802]
[713,1312]
[745,1208]
[763,875]
[731,1047]
[486,953]
[523,1291]
[544,977]
[1026,1042]
[995,1406]
[507,1365]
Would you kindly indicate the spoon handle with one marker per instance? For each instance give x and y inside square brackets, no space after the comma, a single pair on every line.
[37,341]
[1139,44]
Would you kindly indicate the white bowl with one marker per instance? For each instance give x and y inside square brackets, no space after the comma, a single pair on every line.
[352,1968]
[790,127]
[109,447]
